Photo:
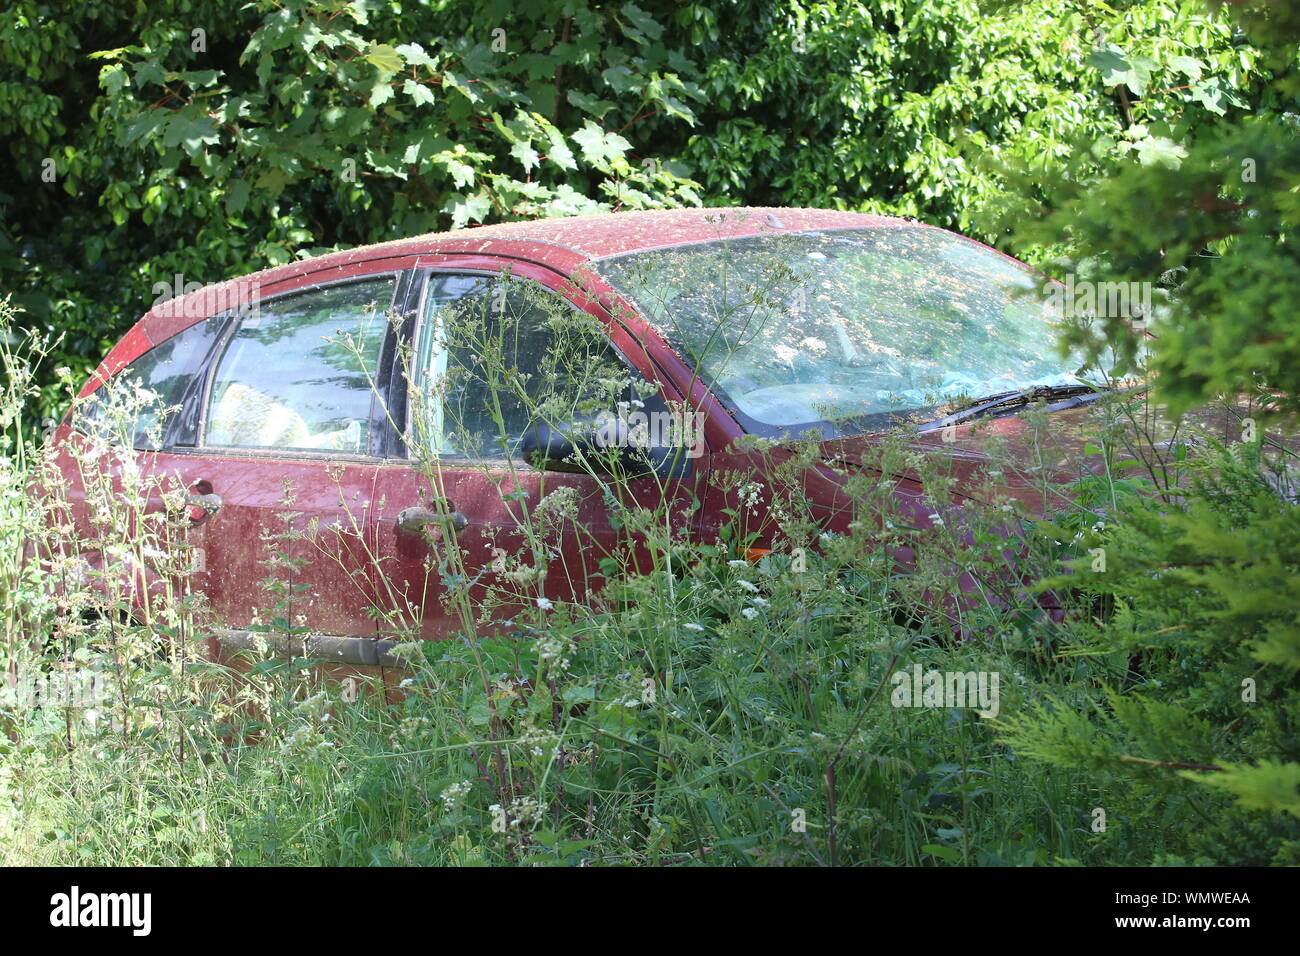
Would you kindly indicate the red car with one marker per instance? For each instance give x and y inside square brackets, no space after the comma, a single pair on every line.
[768,322]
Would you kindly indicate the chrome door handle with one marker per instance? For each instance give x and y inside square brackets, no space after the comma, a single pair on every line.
[414,520]
[210,503]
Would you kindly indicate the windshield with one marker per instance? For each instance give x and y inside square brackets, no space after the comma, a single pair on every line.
[848,329]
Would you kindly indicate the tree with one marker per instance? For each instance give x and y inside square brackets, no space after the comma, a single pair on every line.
[218,139]
[1202,579]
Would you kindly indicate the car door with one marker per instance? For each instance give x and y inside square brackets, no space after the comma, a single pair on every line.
[458,511]
[286,444]
[124,448]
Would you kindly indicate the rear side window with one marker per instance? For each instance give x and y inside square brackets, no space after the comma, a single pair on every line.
[300,373]
[166,371]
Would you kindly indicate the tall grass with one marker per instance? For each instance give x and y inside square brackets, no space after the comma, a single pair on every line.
[701,709]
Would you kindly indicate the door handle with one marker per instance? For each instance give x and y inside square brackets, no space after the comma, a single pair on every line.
[414,520]
[210,503]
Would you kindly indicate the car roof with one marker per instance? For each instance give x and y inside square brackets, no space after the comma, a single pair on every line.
[566,242]
[611,234]
[562,244]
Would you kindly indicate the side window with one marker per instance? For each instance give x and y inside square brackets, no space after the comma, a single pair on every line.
[495,356]
[167,371]
[299,373]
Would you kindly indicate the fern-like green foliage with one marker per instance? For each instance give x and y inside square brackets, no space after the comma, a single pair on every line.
[1268,785]
[1203,588]
[1196,607]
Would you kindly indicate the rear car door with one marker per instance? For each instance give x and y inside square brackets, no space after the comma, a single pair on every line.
[128,444]
[491,351]
[287,435]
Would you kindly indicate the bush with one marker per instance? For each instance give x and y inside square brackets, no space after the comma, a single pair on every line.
[706,709]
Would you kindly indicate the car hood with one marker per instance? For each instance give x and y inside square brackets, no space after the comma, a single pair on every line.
[1064,451]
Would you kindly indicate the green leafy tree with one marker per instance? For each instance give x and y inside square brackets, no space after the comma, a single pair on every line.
[910,108]
[1205,631]
[205,140]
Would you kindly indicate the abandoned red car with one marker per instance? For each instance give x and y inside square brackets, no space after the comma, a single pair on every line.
[769,322]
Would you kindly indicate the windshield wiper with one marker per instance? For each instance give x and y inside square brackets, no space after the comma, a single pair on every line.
[1072,396]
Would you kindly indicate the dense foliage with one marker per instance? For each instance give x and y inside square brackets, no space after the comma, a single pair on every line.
[1201,572]
[147,140]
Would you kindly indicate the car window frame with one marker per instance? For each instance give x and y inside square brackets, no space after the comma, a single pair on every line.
[412,326]
[183,425]
[179,426]
[377,420]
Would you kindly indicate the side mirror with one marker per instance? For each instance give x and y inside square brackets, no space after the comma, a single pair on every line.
[604,447]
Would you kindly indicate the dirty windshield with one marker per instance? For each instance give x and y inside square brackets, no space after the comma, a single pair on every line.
[846,329]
